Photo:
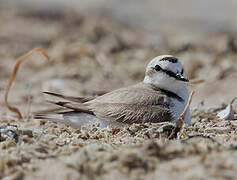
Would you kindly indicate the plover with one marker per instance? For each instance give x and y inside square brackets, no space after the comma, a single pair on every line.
[161,97]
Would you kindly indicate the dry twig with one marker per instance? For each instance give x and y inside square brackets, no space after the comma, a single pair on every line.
[13,75]
[180,121]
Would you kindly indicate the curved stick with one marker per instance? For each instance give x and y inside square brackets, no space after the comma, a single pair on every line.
[13,75]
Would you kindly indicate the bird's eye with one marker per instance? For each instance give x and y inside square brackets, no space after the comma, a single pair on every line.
[157,68]
[182,71]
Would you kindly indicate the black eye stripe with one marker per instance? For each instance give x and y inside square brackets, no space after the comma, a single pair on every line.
[170,59]
[169,73]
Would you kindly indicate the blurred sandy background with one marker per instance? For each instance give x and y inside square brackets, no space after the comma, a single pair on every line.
[97,46]
[197,16]
[169,26]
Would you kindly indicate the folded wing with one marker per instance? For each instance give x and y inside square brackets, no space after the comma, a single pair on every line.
[135,104]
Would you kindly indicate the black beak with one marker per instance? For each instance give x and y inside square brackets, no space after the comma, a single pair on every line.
[181,78]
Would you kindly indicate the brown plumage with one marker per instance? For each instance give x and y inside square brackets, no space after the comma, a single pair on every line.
[134,104]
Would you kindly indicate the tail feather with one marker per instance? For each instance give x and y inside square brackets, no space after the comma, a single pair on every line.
[78,107]
[70,98]
[72,112]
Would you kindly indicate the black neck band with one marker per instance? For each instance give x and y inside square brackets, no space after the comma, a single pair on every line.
[172,94]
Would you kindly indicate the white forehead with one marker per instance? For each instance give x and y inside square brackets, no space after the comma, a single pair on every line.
[178,66]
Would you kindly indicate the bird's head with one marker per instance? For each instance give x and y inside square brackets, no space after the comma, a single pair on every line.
[166,72]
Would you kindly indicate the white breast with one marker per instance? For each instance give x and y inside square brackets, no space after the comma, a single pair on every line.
[177,108]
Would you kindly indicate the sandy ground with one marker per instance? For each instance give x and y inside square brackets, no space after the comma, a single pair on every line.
[92,55]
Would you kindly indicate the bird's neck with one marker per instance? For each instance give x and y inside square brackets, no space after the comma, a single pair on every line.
[180,90]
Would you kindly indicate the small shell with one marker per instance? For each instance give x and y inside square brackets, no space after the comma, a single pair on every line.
[228,112]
